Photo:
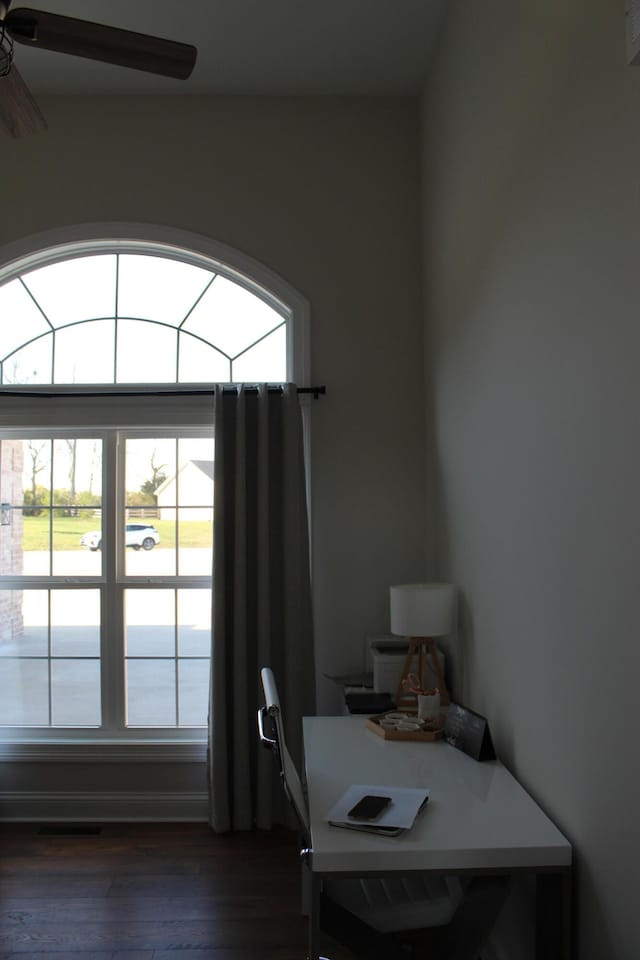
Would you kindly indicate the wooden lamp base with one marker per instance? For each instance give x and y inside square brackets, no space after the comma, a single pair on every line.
[421,648]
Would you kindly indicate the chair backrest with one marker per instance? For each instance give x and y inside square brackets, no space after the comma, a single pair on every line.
[288,772]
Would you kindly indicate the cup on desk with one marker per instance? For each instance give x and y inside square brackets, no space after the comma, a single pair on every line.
[429,706]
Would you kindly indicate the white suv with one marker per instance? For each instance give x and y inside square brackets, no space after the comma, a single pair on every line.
[137,535]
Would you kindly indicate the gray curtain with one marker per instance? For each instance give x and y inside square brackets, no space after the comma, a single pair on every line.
[261,599]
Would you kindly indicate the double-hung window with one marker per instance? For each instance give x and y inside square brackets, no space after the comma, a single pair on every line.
[106,482]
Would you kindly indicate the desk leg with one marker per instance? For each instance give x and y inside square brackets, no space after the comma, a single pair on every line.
[314,915]
[553,916]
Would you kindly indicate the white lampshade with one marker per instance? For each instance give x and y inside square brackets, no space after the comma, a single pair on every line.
[422,609]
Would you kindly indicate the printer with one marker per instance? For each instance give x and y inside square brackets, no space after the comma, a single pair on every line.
[385,659]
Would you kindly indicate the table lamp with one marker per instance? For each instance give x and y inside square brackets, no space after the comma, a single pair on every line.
[421,612]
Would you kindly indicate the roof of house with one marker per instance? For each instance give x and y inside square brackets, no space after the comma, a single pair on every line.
[206,466]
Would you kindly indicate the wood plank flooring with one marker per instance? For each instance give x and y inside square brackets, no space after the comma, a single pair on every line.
[150,892]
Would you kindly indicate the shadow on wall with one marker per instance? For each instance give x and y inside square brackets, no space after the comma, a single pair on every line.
[462,655]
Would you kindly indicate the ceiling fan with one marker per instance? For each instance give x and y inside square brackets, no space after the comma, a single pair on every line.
[19,112]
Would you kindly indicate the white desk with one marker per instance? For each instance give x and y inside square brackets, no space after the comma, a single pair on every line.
[478,820]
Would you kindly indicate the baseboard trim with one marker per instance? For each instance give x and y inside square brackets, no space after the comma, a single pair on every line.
[83,806]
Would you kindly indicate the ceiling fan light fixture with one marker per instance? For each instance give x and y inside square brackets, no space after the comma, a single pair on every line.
[6,51]
[19,112]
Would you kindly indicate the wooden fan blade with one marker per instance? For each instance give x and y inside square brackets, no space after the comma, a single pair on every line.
[95,41]
[19,113]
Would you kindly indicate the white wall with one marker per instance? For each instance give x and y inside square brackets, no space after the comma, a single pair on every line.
[323,192]
[531,146]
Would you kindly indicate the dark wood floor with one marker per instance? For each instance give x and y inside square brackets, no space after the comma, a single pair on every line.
[149,892]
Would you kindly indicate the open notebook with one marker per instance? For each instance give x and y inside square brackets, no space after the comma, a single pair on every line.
[396,818]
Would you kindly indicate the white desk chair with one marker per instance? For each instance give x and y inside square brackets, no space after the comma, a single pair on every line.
[379,906]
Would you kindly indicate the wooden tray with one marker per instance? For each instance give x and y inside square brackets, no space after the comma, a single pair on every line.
[424,736]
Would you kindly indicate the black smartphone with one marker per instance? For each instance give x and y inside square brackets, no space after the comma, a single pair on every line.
[369,807]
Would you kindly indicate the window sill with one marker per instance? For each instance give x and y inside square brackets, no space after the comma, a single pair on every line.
[107,751]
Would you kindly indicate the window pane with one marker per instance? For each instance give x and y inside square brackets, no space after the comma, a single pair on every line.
[153,549]
[89,542]
[149,462]
[150,623]
[41,528]
[151,693]
[79,289]
[148,643]
[195,541]
[192,484]
[193,692]
[146,353]
[266,361]
[194,623]
[36,475]
[75,693]
[196,452]
[77,478]
[24,619]
[24,693]
[32,364]
[149,544]
[156,288]
[27,633]
[231,317]
[85,353]
[199,363]
[21,319]
[71,557]
[75,623]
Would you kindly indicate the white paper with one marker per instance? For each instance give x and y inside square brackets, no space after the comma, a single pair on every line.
[400,813]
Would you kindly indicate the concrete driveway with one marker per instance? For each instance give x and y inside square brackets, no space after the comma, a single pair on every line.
[166,668]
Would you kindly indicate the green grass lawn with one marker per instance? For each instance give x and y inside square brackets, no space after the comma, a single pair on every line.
[68,530]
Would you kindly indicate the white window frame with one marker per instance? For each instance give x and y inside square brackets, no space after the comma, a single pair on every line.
[112,582]
[182,412]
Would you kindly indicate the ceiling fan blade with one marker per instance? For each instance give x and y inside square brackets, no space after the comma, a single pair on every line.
[19,113]
[95,41]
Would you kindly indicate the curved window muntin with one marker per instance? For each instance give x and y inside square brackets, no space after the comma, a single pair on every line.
[158,323]
[23,268]
[59,252]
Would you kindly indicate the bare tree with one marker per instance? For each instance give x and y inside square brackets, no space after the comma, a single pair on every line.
[37,466]
[157,476]
[72,447]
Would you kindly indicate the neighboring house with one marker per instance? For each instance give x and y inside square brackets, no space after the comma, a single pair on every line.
[191,488]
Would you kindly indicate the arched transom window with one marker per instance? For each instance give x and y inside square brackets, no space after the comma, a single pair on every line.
[126,316]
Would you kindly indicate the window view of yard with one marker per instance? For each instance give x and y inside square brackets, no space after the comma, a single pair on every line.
[57,532]
[67,531]
[104,625]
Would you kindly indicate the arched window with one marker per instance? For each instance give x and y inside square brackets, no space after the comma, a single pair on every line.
[124,315]
[106,478]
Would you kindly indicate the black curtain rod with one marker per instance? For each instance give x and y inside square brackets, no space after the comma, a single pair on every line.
[314,391]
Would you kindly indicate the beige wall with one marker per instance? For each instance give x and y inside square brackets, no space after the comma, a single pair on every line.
[323,192]
[531,156]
